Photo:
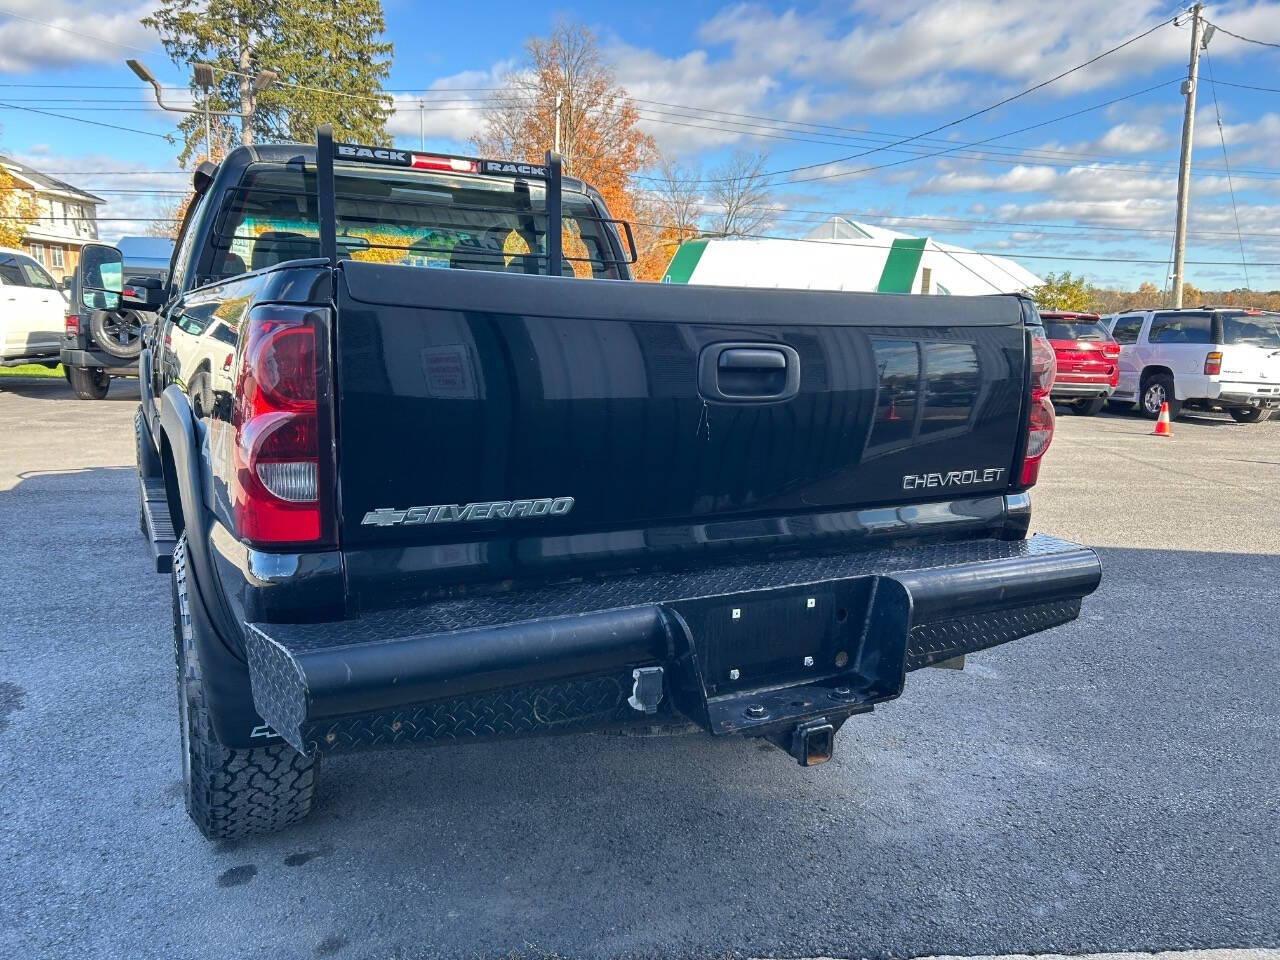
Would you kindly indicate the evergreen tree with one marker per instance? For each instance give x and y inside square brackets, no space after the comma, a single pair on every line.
[329,56]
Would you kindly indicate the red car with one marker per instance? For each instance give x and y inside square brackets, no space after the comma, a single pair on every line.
[1088,360]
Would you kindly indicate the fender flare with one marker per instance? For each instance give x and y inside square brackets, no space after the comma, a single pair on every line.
[219,643]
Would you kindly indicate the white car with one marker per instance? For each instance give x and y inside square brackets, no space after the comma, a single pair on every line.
[1202,358]
[32,310]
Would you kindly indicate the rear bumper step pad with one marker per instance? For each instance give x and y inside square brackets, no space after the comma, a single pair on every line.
[543,659]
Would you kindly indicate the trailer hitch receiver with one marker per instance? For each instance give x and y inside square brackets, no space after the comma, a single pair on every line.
[811,743]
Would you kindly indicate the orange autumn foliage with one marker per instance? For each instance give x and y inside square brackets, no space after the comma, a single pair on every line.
[599,139]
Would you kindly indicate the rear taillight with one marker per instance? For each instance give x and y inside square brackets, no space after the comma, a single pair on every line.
[1040,422]
[280,420]
[72,321]
[1213,362]
[1111,349]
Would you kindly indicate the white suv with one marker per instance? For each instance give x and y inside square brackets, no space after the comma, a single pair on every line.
[1202,358]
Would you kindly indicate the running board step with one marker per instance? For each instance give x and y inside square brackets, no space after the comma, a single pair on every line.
[157,523]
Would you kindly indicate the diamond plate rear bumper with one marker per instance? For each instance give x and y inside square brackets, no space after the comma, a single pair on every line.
[557,658]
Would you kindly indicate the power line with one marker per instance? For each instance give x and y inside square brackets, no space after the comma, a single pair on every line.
[97,123]
[807,216]
[1213,87]
[975,143]
[969,116]
[1005,254]
[1249,86]
[1261,43]
[77,33]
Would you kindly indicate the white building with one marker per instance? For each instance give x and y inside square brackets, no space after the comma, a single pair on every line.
[66,218]
[842,254]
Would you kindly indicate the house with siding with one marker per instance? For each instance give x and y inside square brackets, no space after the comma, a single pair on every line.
[66,218]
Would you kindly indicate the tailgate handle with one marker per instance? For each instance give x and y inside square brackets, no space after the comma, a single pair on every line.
[748,372]
[745,358]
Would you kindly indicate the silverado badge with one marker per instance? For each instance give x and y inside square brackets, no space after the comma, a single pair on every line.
[456,513]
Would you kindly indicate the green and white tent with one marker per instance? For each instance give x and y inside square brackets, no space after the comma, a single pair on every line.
[842,254]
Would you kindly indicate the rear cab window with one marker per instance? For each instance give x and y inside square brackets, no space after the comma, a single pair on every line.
[1253,330]
[1076,330]
[426,220]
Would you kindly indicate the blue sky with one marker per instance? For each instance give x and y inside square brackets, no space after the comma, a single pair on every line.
[1086,193]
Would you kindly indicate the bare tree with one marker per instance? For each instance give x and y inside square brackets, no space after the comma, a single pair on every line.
[677,198]
[740,196]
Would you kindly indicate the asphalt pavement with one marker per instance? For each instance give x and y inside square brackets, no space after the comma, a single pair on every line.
[1112,785]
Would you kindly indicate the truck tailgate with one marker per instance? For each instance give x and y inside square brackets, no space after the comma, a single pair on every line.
[536,417]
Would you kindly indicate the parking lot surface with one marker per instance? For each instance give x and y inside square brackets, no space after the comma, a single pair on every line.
[1110,785]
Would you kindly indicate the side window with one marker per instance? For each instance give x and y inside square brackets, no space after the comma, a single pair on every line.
[189,231]
[10,274]
[1127,329]
[1181,328]
[36,277]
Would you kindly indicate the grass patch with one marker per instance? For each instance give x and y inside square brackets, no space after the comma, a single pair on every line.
[31,370]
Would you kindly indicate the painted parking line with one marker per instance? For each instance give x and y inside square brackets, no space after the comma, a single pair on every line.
[1225,954]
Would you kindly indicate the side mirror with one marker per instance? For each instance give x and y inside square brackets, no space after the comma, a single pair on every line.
[66,283]
[99,278]
[143,293]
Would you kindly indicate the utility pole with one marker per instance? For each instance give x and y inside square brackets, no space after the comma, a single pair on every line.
[559,104]
[1184,162]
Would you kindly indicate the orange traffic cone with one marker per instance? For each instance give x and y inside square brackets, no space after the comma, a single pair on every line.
[1162,425]
[893,410]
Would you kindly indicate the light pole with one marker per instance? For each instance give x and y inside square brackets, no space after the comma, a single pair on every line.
[422,125]
[203,74]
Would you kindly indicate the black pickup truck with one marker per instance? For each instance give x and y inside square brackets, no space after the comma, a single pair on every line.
[428,466]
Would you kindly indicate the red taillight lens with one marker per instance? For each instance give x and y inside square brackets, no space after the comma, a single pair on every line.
[1040,421]
[72,321]
[280,422]
[1213,362]
[1111,349]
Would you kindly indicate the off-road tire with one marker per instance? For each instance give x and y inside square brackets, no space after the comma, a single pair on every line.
[89,383]
[1247,415]
[1157,385]
[229,793]
[1088,408]
[103,324]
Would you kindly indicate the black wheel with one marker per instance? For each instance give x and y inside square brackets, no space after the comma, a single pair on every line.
[117,332]
[229,793]
[89,383]
[1157,389]
[1089,408]
[1247,414]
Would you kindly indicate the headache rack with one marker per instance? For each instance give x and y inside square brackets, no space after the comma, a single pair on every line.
[550,173]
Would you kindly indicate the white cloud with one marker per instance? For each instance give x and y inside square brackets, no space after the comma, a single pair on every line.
[452,108]
[89,34]
[1134,138]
